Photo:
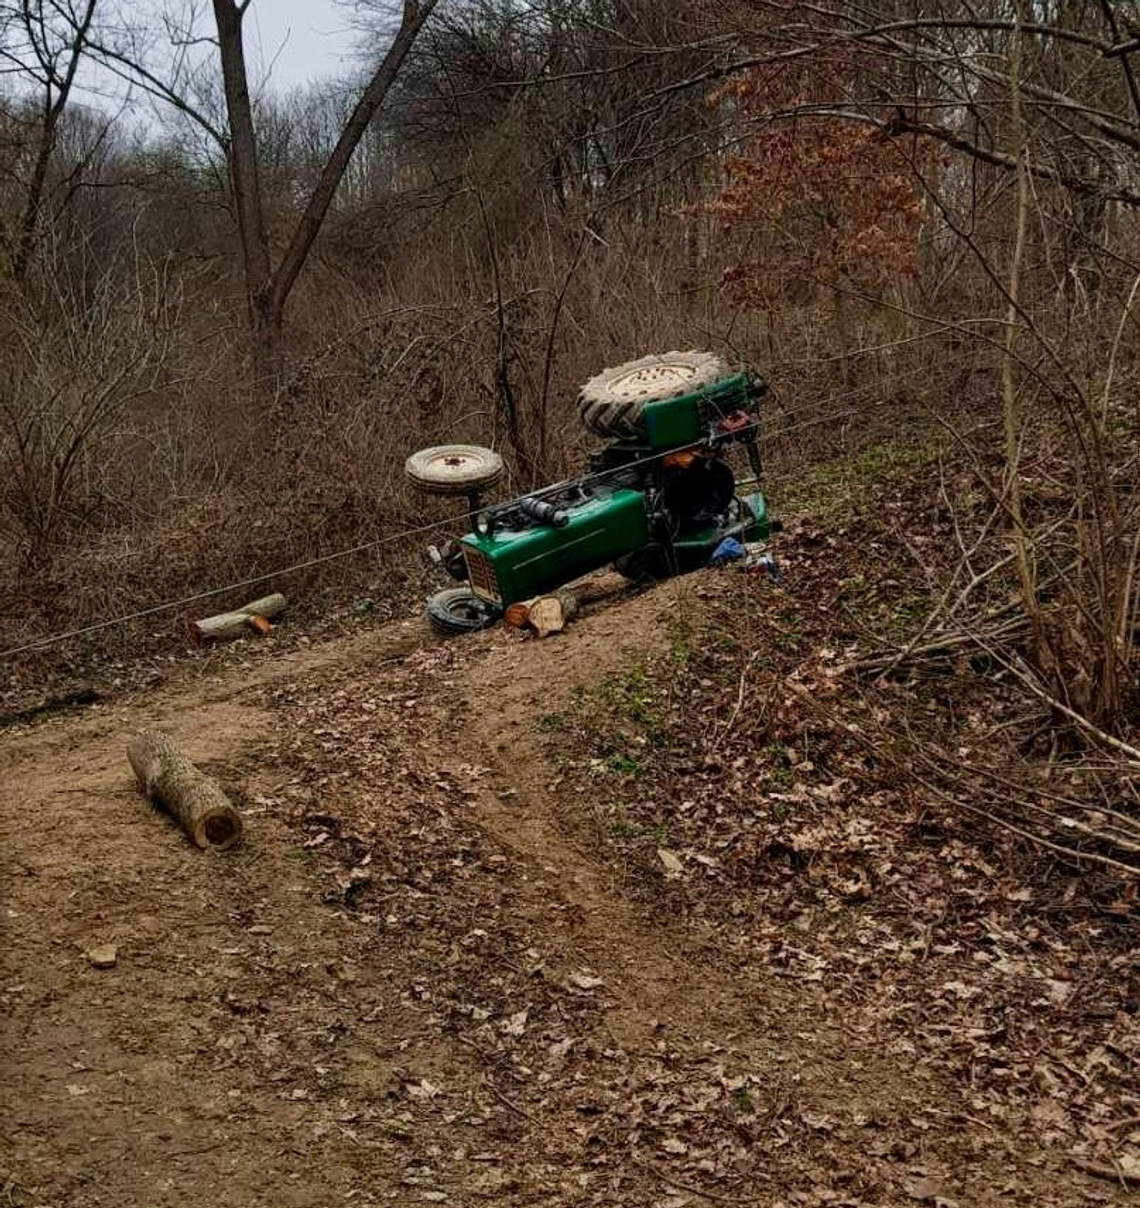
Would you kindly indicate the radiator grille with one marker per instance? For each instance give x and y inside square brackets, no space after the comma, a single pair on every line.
[481,575]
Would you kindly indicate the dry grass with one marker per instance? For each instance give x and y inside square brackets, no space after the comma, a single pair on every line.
[184,483]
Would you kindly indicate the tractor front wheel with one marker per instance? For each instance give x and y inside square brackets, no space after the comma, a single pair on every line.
[454,469]
[459,610]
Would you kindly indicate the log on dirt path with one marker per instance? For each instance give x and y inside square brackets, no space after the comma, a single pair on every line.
[191,797]
[250,618]
[543,615]
[549,614]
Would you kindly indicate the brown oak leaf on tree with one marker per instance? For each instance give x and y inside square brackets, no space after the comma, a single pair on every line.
[826,199]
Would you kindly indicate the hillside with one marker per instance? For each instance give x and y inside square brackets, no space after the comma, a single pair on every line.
[817,885]
[647,913]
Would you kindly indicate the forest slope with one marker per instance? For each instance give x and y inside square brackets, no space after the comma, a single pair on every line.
[629,916]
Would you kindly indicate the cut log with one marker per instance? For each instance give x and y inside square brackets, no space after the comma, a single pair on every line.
[188,795]
[241,622]
[549,614]
[516,615]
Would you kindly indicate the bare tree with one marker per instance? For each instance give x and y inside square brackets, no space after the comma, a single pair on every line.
[1036,111]
[269,279]
[42,42]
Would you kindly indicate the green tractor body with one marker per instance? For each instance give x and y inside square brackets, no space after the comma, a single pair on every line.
[677,422]
[506,565]
[657,499]
[607,517]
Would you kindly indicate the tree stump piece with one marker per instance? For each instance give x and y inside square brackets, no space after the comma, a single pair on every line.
[190,797]
[241,622]
[549,614]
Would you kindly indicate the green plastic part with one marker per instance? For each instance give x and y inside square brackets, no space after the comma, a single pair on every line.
[760,529]
[506,566]
[673,423]
[677,422]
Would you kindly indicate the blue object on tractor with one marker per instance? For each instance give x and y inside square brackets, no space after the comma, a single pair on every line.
[729,550]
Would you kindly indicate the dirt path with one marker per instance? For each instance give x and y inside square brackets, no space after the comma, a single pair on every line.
[117,1079]
[416,982]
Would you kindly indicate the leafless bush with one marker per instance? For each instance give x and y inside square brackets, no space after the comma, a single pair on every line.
[75,364]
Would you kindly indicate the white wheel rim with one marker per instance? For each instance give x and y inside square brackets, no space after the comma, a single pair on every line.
[443,466]
[652,378]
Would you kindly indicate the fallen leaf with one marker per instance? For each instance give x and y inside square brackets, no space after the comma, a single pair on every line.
[422,1089]
[673,865]
[927,1191]
[585,982]
[515,1025]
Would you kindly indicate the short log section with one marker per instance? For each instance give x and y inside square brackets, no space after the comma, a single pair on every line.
[189,796]
[251,618]
[543,615]
[549,614]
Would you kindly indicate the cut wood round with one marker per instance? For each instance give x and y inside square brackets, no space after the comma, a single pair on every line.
[549,614]
[193,799]
[241,622]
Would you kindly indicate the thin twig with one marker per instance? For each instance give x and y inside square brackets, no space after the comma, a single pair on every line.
[513,1106]
[739,699]
[1107,1170]
[670,1181]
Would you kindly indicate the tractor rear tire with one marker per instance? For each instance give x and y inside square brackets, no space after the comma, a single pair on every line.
[454,469]
[611,403]
[459,610]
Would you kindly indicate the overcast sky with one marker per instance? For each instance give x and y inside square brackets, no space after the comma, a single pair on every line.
[302,39]
[288,42]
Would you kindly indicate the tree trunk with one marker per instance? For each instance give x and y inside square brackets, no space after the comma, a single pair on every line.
[416,12]
[268,290]
[30,220]
[245,180]
[265,340]
[195,801]
[1043,654]
[49,128]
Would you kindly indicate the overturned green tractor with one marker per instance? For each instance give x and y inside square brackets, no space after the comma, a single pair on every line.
[656,499]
